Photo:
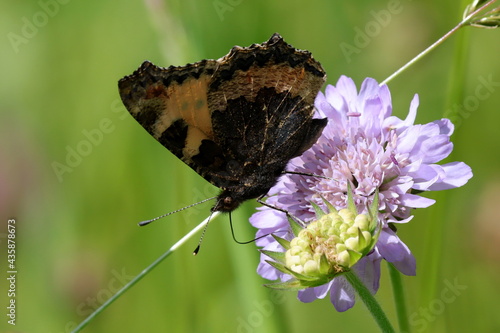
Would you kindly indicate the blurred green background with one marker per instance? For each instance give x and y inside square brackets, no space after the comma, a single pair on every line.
[77,237]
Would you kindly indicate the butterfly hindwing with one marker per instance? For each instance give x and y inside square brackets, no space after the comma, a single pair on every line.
[236,121]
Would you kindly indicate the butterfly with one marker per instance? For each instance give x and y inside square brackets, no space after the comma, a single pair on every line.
[237,120]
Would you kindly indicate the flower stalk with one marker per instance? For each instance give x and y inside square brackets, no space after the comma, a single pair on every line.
[399,298]
[370,302]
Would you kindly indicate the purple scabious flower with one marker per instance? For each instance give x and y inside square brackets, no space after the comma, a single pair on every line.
[365,146]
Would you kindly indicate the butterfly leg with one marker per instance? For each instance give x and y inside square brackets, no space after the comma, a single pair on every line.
[288,215]
[307,174]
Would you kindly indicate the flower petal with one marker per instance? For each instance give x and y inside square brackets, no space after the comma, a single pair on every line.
[368,269]
[307,295]
[395,251]
[268,218]
[322,291]
[456,174]
[416,201]
[342,295]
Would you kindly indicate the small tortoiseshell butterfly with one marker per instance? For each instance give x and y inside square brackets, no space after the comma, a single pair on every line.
[236,121]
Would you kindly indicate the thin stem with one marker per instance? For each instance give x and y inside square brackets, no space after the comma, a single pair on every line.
[464,22]
[399,298]
[143,273]
[370,302]
[423,53]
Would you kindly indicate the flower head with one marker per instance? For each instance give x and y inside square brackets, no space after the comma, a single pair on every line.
[327,247]
[364,147]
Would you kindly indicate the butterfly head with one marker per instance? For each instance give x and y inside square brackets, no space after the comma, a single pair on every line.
[227,201]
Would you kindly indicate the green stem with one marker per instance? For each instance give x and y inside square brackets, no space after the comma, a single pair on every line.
[143,273]
[399,298]
[464,22]
[370,302]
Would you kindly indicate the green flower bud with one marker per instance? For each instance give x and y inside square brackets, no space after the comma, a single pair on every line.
[352,243]
[311,268]
[361,221]
[328,246]
[347,216]
[344,258]
[340,247]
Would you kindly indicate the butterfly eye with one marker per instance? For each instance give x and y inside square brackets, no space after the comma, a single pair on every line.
[226,203]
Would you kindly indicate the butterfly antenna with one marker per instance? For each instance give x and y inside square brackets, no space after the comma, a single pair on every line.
[195,252]
[143,223]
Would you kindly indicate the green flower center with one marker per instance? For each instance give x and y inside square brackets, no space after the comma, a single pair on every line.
[327,247]
[339,237]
